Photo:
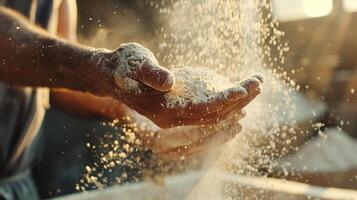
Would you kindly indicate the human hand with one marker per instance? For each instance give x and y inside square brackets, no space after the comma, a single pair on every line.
[136,79]
[189,141]
[185,142]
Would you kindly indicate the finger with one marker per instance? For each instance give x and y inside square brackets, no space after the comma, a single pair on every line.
[225,97]
[223,115]
[236,114]
[253,93]
[259,77]
[201,110]
[250,87]
[221,100]
[211,119]
[152,75]
[203,117]
[219,108]
[231,110]
[250,83]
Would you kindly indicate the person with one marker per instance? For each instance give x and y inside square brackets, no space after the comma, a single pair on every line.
[33,59]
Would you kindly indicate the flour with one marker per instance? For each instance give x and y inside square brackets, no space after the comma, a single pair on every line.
[235,39]
[196,85]
[130,58]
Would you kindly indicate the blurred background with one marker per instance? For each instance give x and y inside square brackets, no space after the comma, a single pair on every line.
[322,36]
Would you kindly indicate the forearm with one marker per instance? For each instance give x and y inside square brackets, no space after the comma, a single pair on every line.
[31,57]
[87,105]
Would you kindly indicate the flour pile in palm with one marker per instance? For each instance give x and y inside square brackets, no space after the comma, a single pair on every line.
[237,38]
[199,85]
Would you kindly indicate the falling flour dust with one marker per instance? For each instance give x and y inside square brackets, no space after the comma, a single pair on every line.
[234,39]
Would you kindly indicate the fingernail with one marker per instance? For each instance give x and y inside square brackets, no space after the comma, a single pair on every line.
[258,89]
[241,90]
[254,83]
[259,76]
[169,83]
[238,92]
[250,83]
[243,113]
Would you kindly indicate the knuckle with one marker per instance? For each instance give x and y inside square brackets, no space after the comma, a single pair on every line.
[239,127]
[242,113]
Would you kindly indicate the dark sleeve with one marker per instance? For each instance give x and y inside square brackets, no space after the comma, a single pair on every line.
[22,6]
[15,103]
[37,10]
[13,108]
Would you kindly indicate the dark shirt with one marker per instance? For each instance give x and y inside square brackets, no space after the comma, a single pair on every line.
[21,109]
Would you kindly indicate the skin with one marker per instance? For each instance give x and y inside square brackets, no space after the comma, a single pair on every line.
[191,141]
[87,76]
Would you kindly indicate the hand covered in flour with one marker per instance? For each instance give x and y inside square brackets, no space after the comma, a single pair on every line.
[191,141]
[184,141]
[138,80]
[187,141]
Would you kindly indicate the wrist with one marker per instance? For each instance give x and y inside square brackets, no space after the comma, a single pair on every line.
[98,72]
[82,68]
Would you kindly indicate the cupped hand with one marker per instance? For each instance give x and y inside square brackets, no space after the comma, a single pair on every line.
[191,141]
[152,104]
[141,83]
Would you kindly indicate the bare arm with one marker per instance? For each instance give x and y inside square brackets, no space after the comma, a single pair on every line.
[29,56]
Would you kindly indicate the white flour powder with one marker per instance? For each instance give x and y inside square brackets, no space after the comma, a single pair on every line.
[196,85]
[128,55]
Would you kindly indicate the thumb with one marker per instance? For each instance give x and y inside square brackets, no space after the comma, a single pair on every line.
[152,75]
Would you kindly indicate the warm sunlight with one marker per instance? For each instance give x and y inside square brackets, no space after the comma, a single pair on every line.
[350,5]
[289,10]
[317,8]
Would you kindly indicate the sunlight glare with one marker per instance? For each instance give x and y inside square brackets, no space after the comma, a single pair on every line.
[317,8]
